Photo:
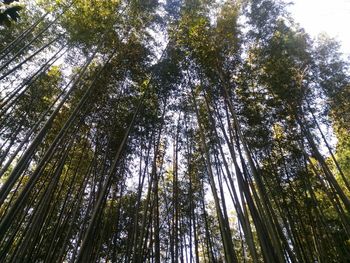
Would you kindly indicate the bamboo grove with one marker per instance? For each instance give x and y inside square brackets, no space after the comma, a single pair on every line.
[171,131]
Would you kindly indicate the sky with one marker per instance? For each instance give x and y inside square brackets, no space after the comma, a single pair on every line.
[329,16]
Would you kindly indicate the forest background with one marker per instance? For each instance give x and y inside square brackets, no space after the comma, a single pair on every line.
[171,131]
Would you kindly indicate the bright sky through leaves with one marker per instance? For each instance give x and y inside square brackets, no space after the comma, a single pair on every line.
[170,131]
[331,17]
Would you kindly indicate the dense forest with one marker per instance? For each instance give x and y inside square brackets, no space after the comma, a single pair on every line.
[171,131]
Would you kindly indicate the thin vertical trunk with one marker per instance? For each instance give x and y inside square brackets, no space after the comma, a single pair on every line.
[230,254]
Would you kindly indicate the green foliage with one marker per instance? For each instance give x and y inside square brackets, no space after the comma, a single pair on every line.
[179,131]
[8,12]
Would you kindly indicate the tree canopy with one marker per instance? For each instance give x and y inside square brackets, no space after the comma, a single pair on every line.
[171,131]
